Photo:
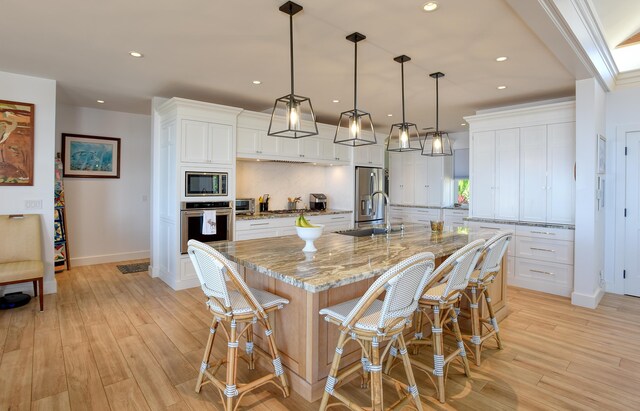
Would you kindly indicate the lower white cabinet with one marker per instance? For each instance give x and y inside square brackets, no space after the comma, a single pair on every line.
[414,215]
[277,227]
[454,217]
[538,258]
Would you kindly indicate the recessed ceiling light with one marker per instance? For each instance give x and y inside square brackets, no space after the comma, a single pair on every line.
[501,87]
[336,101]
[463,124]
[389,115]
[256,82]
[136,54]
[430,6]
[503,58]
[100,101]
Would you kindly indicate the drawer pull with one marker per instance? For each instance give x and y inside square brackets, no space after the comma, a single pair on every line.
[541,272]
[337,218]
[254,224]
[542,232]
[542,249]
[489,228]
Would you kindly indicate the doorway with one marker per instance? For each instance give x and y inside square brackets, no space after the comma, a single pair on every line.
[632,212]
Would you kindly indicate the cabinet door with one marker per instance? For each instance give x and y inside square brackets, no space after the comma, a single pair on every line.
[435,181]
[328,150]
[376,155]
[195,142]
[408,176]
[395,176]
[342,152]
[310,148]
[221,144]
[247,141]
[269,144]
[507,197]
[561,155]
[288,147]
[361,155]
[421,181]
[483,174]
[533,173]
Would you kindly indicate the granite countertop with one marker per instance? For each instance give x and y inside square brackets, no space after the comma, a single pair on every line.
[341,259]
[292,213]
[523,223]
[452,207]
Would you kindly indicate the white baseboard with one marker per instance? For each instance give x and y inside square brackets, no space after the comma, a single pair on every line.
[180,284]
[109,258]
[587,301]
[49,287]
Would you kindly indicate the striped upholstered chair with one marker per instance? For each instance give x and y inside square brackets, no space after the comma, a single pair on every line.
[479,282]
[450,280]
[370,321]
[235,308]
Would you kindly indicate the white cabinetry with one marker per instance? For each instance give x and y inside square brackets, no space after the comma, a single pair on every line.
[369,156]
[414,215]
[419,180]
[454,217]
[522,164]
[547,188]
[254,142]
[207,143]
[276,227]
[495,174]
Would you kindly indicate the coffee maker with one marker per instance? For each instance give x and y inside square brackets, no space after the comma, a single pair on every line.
[317,202]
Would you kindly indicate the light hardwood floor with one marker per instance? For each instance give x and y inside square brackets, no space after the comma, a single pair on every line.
[114,341]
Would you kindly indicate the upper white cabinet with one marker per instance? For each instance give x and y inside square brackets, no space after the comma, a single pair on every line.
[419,180]
[255,142]
[204,142]
[522,164]
[369,156]
[495,187]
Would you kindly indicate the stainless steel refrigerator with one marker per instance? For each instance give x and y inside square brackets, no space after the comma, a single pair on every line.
[369,210]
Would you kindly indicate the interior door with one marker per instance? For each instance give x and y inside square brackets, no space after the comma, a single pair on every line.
[632,225]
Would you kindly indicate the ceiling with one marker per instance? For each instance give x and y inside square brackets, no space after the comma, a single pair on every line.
[619,20]
[213,50]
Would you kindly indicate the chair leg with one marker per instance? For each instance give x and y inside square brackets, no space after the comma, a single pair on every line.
[366,354]
[492,319]
[331,378]
[458,334]
[438,353]
[476,328]
[413,388]
[41,293]
[275,356]
[249,347]
[418,331]
[35,288]
[376,376]
[207,353]
[231,390]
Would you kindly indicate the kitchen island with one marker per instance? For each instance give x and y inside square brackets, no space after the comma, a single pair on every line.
[342,269]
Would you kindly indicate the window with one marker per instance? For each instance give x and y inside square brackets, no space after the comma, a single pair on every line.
[462,192]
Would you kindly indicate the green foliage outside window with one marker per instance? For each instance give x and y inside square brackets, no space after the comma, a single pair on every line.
[463,191]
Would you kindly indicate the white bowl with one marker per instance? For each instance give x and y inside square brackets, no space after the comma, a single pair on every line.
[309,234]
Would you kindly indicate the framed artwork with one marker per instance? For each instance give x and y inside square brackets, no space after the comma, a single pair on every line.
[602,154]
[16,143]
[90,156]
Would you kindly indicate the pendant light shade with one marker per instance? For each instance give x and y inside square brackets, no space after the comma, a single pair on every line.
[437,143]
[292,115]
[403,136]
[354,122]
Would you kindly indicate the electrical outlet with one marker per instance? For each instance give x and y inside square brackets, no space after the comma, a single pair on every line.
[33,204]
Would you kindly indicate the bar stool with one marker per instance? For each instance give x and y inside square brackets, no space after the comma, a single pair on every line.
[442,297]
[478,287]
[370,321]
[235,308]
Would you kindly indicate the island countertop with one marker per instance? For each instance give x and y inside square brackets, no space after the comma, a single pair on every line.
[341,259]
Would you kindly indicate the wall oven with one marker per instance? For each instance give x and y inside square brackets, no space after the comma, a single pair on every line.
[191,221]
[205,184]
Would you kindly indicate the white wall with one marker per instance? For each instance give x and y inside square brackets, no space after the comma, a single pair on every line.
[622,109]
[42,93]
[109,219]
[589,234]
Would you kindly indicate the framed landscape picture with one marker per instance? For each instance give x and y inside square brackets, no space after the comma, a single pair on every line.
[90,156]
[16,143]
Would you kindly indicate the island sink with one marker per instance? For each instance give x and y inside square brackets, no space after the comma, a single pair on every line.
[366,232]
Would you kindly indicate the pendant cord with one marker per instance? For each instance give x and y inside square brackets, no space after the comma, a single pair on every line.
[437,108]
[355,82]
[402,75]
[291,49]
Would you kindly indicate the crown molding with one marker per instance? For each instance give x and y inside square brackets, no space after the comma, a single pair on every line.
[628,79]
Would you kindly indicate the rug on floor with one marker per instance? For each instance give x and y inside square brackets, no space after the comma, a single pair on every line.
[133,268]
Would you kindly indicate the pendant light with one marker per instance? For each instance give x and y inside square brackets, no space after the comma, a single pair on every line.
[352,123]
[290,112]
[437,143]
[403,136]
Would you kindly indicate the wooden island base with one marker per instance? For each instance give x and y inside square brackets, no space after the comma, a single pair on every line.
[306,342]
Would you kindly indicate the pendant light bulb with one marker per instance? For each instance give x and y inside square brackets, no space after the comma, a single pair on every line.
[355,125]
[404,137]
[293,115]
[437,144]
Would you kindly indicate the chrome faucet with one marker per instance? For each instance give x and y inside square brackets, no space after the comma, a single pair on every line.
[387,224]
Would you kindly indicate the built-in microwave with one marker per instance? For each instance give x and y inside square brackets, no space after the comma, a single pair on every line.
[245,205]
[205,184]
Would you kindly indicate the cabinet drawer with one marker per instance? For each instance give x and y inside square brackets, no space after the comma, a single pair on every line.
[455,213]
[555,251]
[511,249]
[544,232]
[454,220]
[544,272]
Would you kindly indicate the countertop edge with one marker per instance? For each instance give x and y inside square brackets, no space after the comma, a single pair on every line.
[258,216]
[522,223]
